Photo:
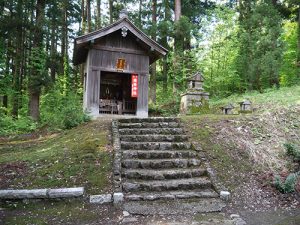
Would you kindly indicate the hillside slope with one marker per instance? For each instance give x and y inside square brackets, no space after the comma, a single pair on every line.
[247,151]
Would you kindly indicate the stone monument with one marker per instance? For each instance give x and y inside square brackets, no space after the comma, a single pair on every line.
[195,98]
[245,106]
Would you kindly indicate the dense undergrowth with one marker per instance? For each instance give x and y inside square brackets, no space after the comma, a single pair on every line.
[58,111]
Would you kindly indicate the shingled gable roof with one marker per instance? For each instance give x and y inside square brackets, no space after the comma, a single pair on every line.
[155,50]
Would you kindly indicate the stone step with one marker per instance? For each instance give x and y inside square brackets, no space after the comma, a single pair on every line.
[150,120]
[154,138]
[167,185]
[158,154]
[180,206]
[145,174]
[155,145]
[171,195]
[159,163]
[143,131]
[150,125]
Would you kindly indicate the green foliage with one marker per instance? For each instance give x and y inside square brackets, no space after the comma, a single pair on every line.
[293,151]
[288,186]
[62,111]
[182,33]
[40,78]
[260,46]
[218,61]
[289,70]
[203,109]
[8,125]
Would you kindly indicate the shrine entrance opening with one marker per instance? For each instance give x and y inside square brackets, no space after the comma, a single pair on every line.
[116,94]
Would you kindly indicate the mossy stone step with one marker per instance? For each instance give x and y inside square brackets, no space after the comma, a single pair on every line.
[150,120]
[148,174]
[151,131]
[159,163]
[154,138]
[158,154]
[171,195]
[167,185]
[150,125]
[125,145]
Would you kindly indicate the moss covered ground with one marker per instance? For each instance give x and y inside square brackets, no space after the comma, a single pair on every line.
[78,157]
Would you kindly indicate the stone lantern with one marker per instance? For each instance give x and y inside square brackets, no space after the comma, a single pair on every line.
[194,99]
[228,109]
[245,106]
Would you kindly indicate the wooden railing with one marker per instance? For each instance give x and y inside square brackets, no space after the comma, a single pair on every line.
[108,106]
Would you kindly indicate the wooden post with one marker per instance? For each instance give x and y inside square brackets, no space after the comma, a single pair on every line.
[142,101]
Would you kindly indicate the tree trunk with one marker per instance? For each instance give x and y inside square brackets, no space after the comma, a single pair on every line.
[298,55]
[176,45]
[89,20]
[165,44]
[177,10]
[53,52]
[152,94]
[83,15]
[35,90]
[140,14]
[34,105]
[17,61]
[110,11]
[98,14]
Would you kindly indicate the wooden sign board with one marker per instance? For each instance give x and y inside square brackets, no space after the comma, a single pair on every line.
[134,86]
[121,63]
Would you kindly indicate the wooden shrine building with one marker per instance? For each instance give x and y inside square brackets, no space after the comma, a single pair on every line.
[116,63]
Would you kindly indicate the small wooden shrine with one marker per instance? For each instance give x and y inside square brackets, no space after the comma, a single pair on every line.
[116,63]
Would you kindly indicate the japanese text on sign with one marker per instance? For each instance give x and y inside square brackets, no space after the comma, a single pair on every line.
[134,85]
[121,64]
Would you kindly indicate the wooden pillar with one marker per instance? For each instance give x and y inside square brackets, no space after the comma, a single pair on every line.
[142,101]
[93,92]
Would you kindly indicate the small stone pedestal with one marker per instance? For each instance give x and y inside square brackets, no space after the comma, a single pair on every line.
[195,99]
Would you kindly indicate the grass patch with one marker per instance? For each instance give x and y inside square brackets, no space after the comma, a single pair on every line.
[270,99]
[78,157]
[49,212]
[228,162]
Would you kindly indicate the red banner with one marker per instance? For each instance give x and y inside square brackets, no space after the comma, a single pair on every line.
[134,86]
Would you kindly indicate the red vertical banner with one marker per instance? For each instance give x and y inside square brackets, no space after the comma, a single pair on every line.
[134,85]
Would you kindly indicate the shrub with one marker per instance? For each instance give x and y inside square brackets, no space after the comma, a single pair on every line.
[62,111]
[8,125]
[293,151]
[288,186]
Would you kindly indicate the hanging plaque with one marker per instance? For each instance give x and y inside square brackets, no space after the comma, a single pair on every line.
[121,64]
[134,86]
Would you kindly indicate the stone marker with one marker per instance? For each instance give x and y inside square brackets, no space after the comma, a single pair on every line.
[100,199]
[234,216]
[125,213]
[118,198]
[225,195]
[66,192]
[20,194]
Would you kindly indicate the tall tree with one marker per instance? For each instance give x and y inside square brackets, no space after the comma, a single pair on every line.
[152,85]
[98,18]
[110,11]
[260,45]
[17,59]
[35,79]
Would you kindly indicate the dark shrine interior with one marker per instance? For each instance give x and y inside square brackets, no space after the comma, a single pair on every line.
[115,88]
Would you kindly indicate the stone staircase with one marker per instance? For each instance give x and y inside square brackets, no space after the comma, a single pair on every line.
[158,163]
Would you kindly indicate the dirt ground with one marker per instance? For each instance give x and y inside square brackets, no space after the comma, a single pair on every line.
[82,213]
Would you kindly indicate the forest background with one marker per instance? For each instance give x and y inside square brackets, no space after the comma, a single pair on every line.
[238,45]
